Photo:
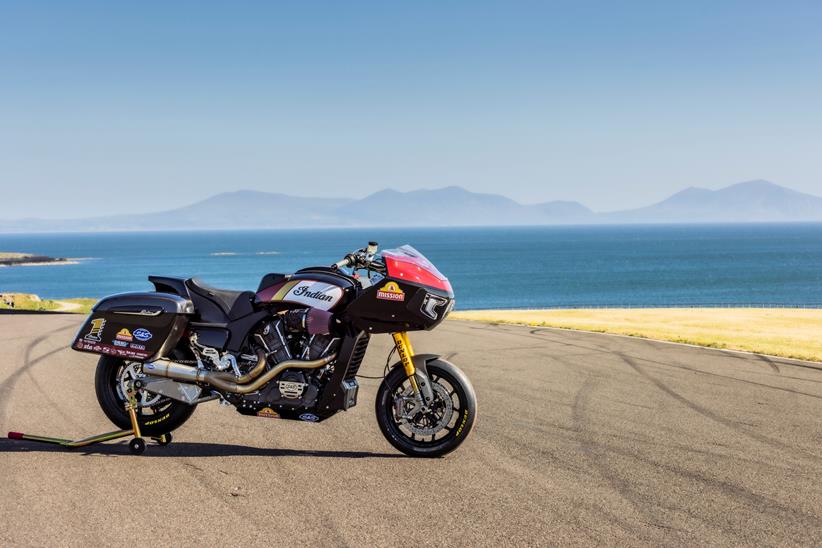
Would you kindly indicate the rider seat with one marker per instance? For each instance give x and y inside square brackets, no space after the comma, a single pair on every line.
[218,305]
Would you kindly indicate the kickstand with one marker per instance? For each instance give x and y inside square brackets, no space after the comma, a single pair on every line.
[137,444]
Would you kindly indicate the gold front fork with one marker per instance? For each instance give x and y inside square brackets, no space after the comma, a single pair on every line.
[406,353]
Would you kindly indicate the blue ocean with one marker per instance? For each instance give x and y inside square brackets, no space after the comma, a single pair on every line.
[537,267]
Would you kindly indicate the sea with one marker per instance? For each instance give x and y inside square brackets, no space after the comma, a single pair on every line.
[499,267]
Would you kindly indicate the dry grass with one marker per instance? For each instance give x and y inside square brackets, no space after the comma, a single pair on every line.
[786,332]
[24,301]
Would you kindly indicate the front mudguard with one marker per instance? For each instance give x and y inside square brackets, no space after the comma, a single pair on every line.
[421,373]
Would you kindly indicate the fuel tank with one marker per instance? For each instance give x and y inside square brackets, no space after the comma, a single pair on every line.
[317,287]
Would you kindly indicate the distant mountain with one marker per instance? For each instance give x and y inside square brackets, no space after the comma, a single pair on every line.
[752,201]
[246,209]
[453,206]
[229,210]
[568,212]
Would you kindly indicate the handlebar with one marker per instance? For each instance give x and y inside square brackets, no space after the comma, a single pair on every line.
[348,261]
[362,258]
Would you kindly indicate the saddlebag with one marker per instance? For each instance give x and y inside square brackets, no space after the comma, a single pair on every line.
[136,326]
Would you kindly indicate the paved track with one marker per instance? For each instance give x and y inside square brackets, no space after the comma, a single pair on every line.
[581,439]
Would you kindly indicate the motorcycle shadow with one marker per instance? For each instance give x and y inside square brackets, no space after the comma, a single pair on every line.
[187,449]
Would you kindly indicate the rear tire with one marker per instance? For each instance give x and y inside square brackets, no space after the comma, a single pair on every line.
[155,420]
[452,427]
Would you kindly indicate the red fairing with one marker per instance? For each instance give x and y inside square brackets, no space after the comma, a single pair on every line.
[406,263]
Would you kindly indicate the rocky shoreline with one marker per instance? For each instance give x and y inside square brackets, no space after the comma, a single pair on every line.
[26,259]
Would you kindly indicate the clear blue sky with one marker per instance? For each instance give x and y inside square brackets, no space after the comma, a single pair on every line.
[140,106]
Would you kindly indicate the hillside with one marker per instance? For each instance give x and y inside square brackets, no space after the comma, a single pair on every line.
[751,201]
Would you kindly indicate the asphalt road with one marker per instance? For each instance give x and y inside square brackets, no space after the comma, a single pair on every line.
[581,439]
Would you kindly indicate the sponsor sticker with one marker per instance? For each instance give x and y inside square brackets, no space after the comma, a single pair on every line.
[108,349]
[120,343]
[136,346]
[268,413]
[96,331]
[124,335]
[309,417]
[142,334]
[391,292]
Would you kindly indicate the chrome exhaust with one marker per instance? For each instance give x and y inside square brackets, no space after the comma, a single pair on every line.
[225,381]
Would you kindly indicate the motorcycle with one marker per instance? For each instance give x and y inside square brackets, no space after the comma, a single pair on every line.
[290,350]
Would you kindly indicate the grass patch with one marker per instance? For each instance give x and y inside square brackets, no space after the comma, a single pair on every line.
[786,332]
[24,301]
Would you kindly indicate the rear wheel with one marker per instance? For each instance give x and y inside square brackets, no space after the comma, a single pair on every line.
[157,415]
[431,432]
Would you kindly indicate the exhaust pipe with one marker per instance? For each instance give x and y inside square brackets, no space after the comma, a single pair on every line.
[186,373]
[255,372]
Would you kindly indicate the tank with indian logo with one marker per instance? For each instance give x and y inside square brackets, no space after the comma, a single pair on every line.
[314,288]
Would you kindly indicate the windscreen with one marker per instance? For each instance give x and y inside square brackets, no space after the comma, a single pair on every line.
[406,263]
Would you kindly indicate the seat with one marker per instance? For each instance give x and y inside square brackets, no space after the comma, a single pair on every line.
[213,302]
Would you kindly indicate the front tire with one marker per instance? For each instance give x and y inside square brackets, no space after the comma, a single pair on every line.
[436,432]
[156,415]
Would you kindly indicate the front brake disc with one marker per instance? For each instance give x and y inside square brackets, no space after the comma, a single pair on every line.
[431,422]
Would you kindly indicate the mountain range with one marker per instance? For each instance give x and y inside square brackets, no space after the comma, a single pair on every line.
[751,201]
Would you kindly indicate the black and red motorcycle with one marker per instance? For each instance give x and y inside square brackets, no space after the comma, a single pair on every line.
[290,350]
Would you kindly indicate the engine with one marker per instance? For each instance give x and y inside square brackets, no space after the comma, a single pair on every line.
[302,334]
[292,335]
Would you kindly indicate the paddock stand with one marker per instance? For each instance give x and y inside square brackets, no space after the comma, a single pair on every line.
[137,445]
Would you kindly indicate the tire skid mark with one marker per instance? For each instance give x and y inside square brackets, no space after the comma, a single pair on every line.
[775,361]
[770,363]
[763,503]
[711,415]
[496,458]
[595,452]
[8,383]
[542,334]
[721,376]
[51,401]
[571,435]
[557,338]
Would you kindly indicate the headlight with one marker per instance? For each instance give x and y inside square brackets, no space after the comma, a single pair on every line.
[432,303]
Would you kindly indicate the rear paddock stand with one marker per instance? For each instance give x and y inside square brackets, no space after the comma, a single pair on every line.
[137,445]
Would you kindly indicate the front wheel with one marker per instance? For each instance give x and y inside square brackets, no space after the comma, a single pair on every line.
[430,432]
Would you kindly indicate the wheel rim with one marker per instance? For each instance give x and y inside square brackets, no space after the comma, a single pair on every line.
[148,404]
[426,427]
